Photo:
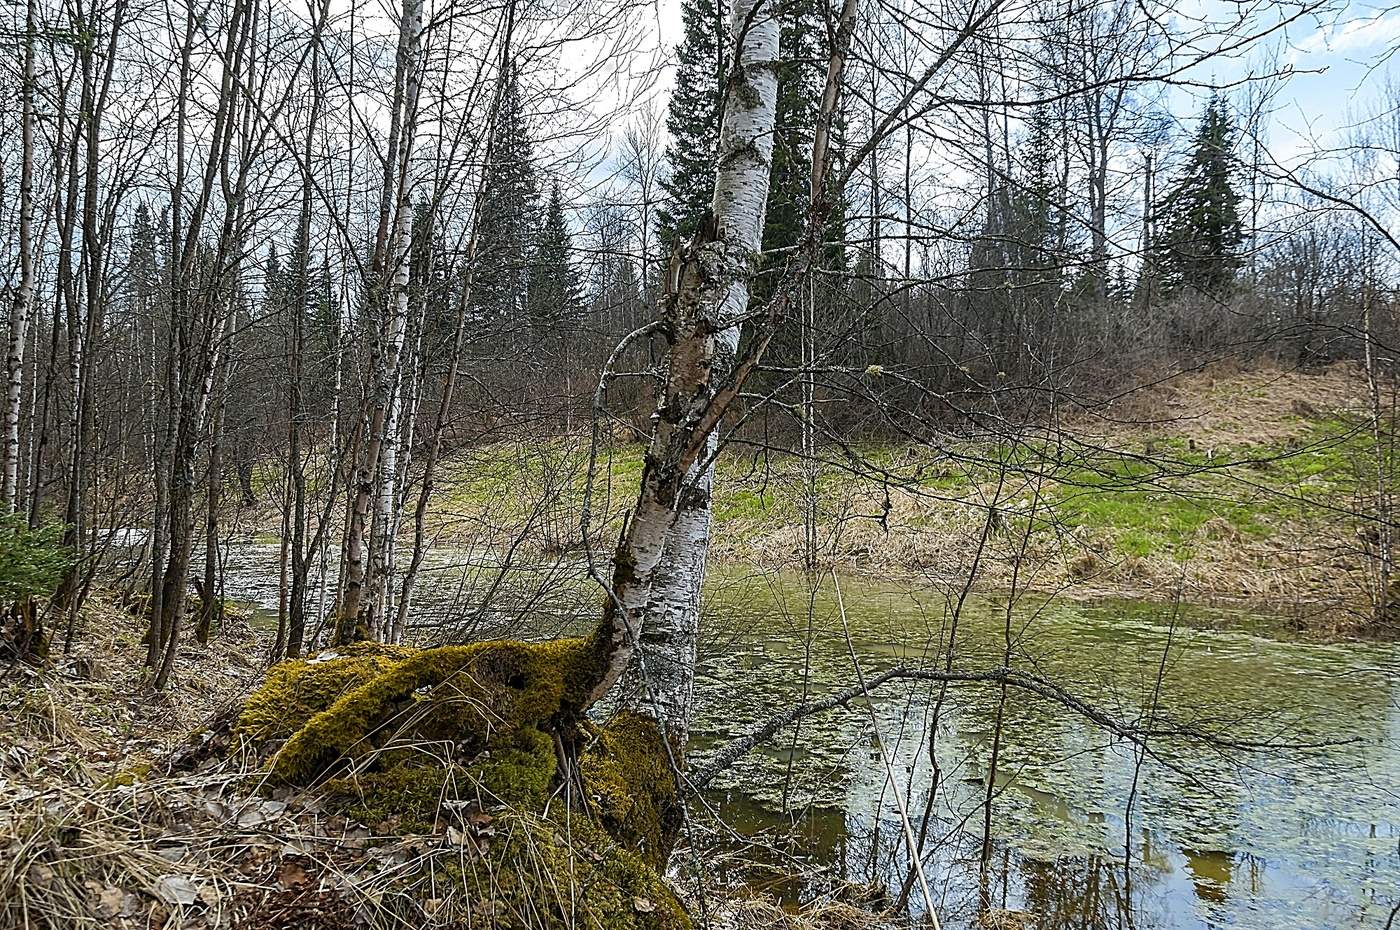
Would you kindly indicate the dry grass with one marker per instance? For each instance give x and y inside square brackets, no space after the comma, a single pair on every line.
[97,832]
[761,913]
[1228,405]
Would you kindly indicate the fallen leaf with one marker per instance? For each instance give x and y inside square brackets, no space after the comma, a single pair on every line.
[251,817]
[110,901]
[291,875]
[643,905]
[175,889]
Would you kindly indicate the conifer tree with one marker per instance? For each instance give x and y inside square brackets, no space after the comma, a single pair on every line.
[555,293]
[799,89]
[693,122]
[143,269]
[275,283]
[1031,245]
[1198,248]
[693,119]
[430,276]
[509,207]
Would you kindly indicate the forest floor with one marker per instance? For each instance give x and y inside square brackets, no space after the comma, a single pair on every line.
[1224,485]
[100,826]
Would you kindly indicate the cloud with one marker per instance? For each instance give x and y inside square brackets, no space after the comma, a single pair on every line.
[1353,35]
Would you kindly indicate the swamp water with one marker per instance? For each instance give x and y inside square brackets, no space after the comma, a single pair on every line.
[1275,838]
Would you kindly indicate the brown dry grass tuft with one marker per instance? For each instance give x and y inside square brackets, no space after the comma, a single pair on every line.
[1226,404]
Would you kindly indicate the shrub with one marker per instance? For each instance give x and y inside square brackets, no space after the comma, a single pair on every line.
[32,560]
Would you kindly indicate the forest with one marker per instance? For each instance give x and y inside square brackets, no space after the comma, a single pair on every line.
[748,465]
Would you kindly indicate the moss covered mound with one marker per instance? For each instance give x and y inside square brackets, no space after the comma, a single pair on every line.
[631,786]
[527,872]
[479,743]
[297,690]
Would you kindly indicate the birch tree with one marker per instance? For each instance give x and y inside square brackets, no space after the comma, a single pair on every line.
[660,561]
[23,304]
[366,568]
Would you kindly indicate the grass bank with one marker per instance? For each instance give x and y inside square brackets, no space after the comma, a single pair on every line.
[1224,485]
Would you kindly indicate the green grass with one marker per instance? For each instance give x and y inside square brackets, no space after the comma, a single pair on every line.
[1150,509]
[1156,498]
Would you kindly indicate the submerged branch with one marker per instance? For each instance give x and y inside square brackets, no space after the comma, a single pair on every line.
[716,762]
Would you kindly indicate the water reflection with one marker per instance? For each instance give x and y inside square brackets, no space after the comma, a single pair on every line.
[1306,840]
[1297,840]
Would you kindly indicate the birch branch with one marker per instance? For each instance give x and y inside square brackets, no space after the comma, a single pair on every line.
[721,759]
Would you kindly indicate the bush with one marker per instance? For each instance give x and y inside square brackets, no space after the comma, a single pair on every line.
[32,560]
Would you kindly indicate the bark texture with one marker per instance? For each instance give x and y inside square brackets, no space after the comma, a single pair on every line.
[661,559]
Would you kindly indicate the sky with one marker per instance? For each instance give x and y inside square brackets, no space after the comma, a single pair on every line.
[1342,72]
[1338,63]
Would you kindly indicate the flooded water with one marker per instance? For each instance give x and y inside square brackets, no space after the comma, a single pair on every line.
[1272,838]
[1263,839]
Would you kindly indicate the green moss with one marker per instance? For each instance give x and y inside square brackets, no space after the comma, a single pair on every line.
[518,770]
[296,691]
[405,796]
[130,775]
[527,872]
[457,696]
[630,783]
[410,740]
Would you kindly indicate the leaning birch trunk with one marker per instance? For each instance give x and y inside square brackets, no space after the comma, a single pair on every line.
[662,673]
[656,587]
[356,612]
[24,294]
[662,680]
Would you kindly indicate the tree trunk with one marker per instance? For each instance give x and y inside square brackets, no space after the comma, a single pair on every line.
[23,304]
[357,613]
[655,589]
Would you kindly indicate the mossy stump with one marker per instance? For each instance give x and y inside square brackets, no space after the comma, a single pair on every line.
[556,823]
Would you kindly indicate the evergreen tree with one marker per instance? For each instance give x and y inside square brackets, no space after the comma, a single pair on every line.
[143,266]
[693,119]
[501,285]
[799,91]
[1030,244]
[275,283]
[1198,246]
[431,279]
[1013,266]
[556,296]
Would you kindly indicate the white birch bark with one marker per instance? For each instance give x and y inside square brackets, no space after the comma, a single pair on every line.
[362,568]
[379,454]
[23,304]
[656,588]
[668,626]
[671,622]
[387,497]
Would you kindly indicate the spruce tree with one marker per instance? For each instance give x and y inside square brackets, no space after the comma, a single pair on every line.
[1031,244]
[1198,247]
[431,278]
[799,90]
[501,285]
[693,119]
[143,266]
[555,294]
[801,76]
[275,283]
